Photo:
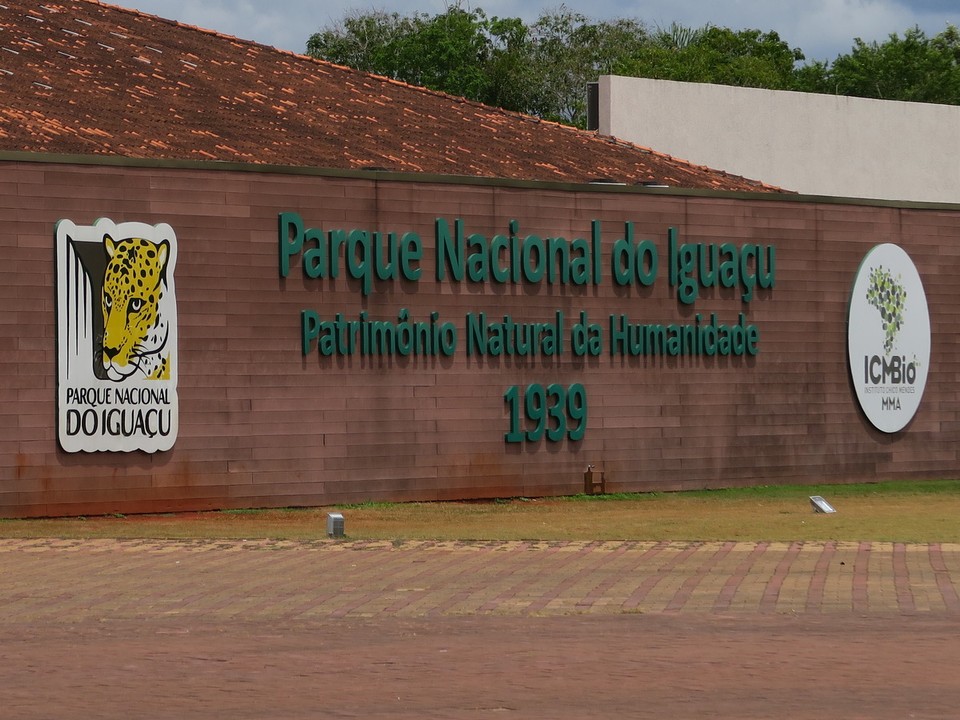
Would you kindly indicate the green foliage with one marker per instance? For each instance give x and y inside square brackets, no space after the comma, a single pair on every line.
[888,297]
[747,58]
[914,68]
[367,42]
[460,52]
[510,80]
[567,51]
[543,68]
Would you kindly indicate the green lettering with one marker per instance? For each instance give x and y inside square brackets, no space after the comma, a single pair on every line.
[309,329]
[533,272]
[290,236]
[477,259]
[498,246]
[450,255]
[729,267]
[411,252]
[315,259]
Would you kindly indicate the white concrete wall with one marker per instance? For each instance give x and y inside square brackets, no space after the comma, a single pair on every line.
[813,144]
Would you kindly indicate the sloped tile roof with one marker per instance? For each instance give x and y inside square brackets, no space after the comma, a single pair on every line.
[83,77]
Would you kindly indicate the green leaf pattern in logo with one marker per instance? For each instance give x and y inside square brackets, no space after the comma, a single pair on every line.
[888,296]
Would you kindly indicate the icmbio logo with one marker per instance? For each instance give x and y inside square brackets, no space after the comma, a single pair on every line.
[888,338]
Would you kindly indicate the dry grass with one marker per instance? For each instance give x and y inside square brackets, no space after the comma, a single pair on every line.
[898,512]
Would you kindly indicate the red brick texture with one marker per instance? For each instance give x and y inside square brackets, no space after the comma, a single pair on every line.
[263,425]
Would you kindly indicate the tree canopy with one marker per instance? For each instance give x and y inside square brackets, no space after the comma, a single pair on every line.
[914,68]
[543,68]
[747,58]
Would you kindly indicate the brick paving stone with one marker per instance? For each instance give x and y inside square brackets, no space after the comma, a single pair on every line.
[193,629]
[50,580]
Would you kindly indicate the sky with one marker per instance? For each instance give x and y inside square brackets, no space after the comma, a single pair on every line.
[823,29]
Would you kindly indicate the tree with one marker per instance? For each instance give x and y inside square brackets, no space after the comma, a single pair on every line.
[748,58]
[568,51]
[913,68]
[543,68]
[512,82]
[448,52]
[366,42]
[460,52]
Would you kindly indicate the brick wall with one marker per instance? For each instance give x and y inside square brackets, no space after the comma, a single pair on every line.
[263,425]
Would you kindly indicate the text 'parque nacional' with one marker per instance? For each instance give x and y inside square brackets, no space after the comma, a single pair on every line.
[513,258]
[372,257]
[538,410]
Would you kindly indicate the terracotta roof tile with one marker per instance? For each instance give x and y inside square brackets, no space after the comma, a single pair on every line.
[84,77]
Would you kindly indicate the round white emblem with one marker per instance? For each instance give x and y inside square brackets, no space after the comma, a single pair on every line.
[888,338]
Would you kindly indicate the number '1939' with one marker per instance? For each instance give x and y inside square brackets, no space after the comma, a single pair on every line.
[553,412]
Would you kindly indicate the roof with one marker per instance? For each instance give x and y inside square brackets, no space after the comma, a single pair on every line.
[81,77]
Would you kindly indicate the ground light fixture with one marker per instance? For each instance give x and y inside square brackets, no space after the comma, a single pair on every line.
[820,505]
[335,525]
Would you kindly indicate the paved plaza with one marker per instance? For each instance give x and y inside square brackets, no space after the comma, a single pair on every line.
[278,629]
